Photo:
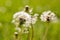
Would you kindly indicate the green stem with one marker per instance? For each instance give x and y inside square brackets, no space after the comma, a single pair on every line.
[28,34]
[20,35]
[46,31]
[32,32]
[15,37]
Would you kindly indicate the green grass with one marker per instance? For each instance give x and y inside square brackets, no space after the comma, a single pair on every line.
[12,6]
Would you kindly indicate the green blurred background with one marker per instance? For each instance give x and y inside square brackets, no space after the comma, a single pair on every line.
[9,7]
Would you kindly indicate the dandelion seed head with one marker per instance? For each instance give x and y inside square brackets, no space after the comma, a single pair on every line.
[16,35]
[34,18]
[48,16]
[21,15]
[28,9]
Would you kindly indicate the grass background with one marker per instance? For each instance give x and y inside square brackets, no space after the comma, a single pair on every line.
[9,7]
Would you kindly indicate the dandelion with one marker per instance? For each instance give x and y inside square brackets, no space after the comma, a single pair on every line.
[20,19]
[48,17]
[16,35]
[23,18]
[28,9]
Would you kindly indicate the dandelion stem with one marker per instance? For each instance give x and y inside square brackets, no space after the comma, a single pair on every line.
[28,34]
[16,37]
[32,32]
[46,31]
[20,35]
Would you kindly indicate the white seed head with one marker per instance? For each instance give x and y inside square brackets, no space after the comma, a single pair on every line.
[22,15]
[34,18]
[48,16]
[29,10]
